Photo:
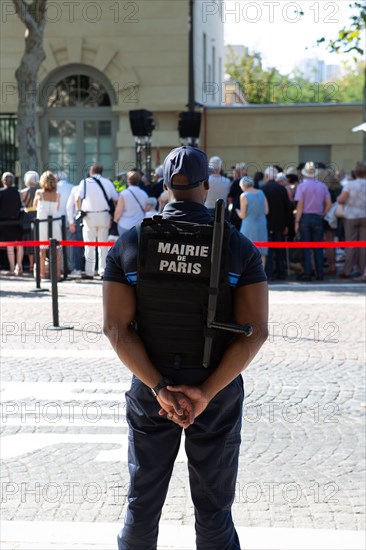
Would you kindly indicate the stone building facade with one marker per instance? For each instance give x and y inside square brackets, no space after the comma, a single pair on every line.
[103,59]
[107,57]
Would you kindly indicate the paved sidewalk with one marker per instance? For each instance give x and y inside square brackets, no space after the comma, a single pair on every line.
[102,536]
[301,482]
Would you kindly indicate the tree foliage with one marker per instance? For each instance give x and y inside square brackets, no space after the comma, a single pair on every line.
[351,84]
[261,86]
[256,84]
[352,37]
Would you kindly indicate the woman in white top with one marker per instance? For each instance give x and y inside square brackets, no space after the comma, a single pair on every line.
[353,197]
[219,185]
[130,209]
[47,202]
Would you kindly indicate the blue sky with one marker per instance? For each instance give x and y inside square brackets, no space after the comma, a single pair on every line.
[275,28]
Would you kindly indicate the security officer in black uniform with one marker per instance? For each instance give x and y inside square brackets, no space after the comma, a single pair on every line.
[155,295]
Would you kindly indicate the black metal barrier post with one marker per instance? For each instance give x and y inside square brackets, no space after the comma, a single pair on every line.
[287,259]
[37,257]
[53,273]
[49,223]
[64,248]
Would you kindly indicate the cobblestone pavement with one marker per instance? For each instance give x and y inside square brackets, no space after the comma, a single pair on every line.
[64,434]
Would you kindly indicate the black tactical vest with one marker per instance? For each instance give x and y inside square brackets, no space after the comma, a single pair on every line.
[174,265]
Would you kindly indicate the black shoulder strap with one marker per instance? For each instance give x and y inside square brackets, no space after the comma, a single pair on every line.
[102,188]
[136,199]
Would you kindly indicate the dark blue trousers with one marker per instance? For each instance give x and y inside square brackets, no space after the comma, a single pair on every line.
[276,264]
[77,261]
[312,230]
[212,448]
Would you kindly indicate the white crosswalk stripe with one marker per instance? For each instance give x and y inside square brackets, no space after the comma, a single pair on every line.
[71,405]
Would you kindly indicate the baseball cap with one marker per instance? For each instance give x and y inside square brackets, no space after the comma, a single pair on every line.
[190,162]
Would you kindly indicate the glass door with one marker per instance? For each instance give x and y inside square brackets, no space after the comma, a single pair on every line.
[73,144]
[62,140]
[77,123]
[97,140]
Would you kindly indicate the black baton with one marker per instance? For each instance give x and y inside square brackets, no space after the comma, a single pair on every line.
[217,239]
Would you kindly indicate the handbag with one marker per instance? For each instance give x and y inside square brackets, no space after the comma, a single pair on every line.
[340,211]
[331,216]
[296,254]
[25,221]
[114,230]
[80,215]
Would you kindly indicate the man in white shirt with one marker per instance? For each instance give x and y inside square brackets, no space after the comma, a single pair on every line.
[219,185]
[64,189]
[93,201]
[75,229]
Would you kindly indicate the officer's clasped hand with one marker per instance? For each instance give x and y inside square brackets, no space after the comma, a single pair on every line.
[191,399]
[176,406]
[195,395]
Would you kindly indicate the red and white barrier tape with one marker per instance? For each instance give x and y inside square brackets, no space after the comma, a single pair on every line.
[295,244]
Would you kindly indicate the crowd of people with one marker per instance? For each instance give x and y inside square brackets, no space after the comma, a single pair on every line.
[306,203]
[108,210]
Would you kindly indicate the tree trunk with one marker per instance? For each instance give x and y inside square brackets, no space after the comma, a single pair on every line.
[26,76]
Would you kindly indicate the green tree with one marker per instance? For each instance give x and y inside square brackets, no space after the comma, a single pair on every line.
[297,88]
[351,84]
[351,38]
[260,86]
[257,84]
[348,88]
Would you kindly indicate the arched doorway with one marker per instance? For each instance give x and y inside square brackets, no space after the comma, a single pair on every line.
[78,125]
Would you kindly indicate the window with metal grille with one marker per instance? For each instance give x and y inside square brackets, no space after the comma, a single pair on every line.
[8,147]
[78,91]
